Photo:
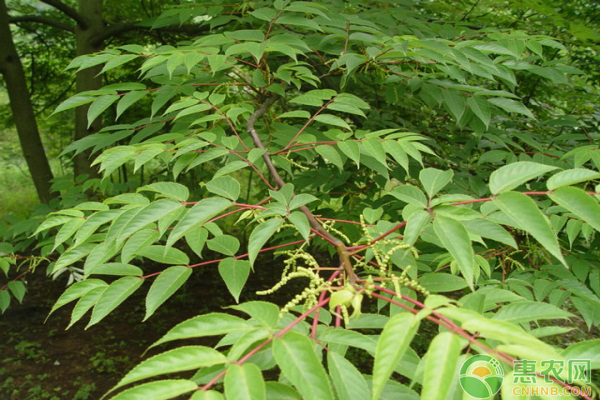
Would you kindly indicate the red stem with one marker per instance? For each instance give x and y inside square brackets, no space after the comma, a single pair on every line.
[364,246]
[313,333]
[279,334]
[445,322]
[221,259]
[311,119]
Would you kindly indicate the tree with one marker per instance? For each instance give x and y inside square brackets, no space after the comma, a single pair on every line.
[385,157]
[24,119]
[90,31]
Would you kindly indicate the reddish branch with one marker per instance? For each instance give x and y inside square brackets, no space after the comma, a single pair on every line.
[279,334]
[454,328]
[221,259]
[313,332]
[434,317]
[344,254]
[311,119]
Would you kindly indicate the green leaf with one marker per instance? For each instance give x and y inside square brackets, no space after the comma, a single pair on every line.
[410,194]
[571,177]
[164,255]
[512,175]
[350,149]
[164,286]
[331,155]
[211,324]
[128,100]
[348,381]
[295,354]
[415,224]
[490,230]
[224,244]
[158,390]
[163,95]
[99,106]
[66,231]
[525,213]
[171,190]
[235,274]
[455,238]
[348,337]
[77,290]
[18,289]
[120,269]
[301,200]
[266,313]
[441,366]
[511,106]
[481,108]
[195,238]
[579,203]
[398,153]
[137,241]
[225,186]
[502,331]
[372,216]
[294,114]
[279,391]
[439,282]
[301,223]
[260,235]
[244,382]
[198,215]
[374,148]
[150,213]
[527,311]
[434,180]
[86,302]
[52,222]
[73,102]
[207,395]
[455,103]
[586,350]
[114,295]
[118,61]
[395,338]
[4,300]
[181,359]
[331,119]
[72,255]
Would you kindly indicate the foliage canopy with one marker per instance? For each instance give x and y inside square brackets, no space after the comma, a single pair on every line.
[406,168]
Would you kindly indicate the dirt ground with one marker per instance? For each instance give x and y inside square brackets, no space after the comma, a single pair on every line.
[44,361]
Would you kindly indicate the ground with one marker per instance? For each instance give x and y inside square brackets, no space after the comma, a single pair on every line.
[44,361]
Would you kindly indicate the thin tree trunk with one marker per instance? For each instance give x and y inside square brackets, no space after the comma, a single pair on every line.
[22,110]
[87,79]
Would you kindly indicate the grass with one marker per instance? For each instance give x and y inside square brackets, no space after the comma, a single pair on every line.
[17,193]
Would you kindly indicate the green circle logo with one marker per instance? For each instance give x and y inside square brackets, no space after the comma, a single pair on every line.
[481,376]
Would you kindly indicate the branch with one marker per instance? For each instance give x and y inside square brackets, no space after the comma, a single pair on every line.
[341,248]
[42,20]
[118,29]
[68,11]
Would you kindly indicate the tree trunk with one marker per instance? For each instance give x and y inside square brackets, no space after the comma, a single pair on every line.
[91,11]
[22,110]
